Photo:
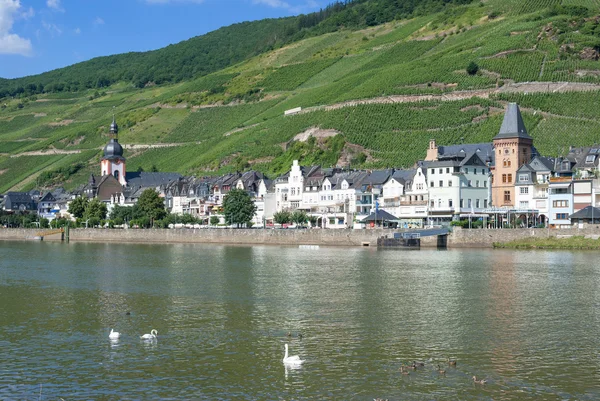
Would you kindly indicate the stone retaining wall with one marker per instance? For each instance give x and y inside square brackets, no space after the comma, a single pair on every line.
[459,238]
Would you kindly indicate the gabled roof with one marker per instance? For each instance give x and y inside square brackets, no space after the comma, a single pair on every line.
[541,163]
[48,197]
[513,125]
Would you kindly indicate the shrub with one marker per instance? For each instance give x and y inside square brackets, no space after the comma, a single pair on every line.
[472,68]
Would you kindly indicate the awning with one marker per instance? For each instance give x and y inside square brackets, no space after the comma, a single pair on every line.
[560,185]
[473,215]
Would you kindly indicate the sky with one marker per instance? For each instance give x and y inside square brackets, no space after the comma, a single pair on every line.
[42,35]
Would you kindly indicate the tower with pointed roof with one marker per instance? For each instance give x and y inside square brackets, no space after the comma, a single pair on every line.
[513,147]
[113,162]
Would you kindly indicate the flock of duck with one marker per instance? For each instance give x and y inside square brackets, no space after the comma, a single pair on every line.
[405,370]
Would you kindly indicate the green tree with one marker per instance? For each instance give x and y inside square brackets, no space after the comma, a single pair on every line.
[214,220]
[95,210]
[238,207]
[472,68]
[151,205]
[77,206]
[282,217]
[299,217]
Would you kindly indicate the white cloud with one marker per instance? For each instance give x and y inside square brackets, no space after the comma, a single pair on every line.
[273,3]
[28,14]
[308,5]
[11,43]
[53,29]
[98,21]
[55,5]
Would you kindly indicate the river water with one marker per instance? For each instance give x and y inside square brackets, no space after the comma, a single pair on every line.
[528,322]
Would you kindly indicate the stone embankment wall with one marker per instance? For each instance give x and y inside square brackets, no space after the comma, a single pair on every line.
[459,238]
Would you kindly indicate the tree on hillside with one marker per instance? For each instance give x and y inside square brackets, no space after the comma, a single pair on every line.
[150,205]
[77,206]
[472,68]
[238,207]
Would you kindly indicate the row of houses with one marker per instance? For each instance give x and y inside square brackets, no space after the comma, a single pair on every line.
[503,180]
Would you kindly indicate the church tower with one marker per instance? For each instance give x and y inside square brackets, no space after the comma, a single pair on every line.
[113,162]
[513,147]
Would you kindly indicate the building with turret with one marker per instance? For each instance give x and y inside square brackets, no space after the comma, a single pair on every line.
[513,148]
[113,162]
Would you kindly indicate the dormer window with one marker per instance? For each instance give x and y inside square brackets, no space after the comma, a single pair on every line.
[590,158]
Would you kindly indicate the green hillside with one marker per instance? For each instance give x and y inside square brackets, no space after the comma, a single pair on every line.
[372,96]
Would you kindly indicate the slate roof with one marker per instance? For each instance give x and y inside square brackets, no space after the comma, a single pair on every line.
[513,125]
[588,212]
[149,179]
[381,215]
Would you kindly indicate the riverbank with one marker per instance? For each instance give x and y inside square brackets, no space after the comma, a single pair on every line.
[575,243]
[458,238]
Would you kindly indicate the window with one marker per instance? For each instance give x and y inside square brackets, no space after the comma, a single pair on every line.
[307,189]
[590,158]
[477,203]
[432,171]
[441,183]
[485,203]
[477,183]
[461,204]
[508,163]
[506,151]
[469,204]
[432,204]
[504,178]
[449,183]
[523,177]
[450,202]
[506,196]
[466,170]
[470,183]
[509,178]
[439,203]
[475,171]
[524,190]
[431,184]
[560,203]
[504,164]
[485,184]
[561,216]
[524,204]
[483,171]
[447,170]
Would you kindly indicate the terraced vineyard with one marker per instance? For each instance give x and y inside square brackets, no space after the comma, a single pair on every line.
[386,90]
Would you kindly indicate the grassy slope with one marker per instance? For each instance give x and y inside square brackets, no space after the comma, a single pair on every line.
[424,56]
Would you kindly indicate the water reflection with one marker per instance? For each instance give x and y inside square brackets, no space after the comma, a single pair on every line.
[524,320]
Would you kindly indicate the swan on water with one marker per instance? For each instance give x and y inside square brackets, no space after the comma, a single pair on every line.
[114,335]
[292,359]
[151,336]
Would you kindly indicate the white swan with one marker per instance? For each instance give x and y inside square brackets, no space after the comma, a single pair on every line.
[151,336]
[293,359]
[114,335]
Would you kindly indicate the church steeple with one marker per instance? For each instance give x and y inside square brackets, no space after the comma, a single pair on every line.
[113,162]
[114,128]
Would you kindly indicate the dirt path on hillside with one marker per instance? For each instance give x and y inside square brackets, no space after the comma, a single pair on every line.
[522,87]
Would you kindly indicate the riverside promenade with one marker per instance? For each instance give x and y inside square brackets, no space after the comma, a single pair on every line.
[458,238]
